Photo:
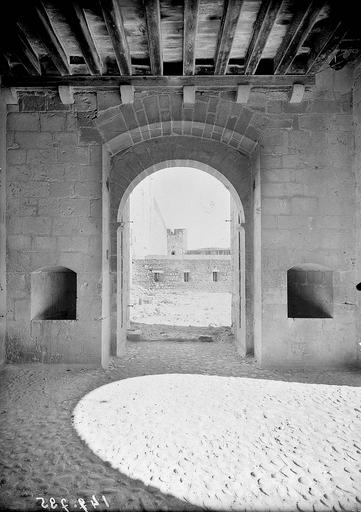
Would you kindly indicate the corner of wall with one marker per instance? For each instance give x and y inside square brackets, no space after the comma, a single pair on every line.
[356,111]
[2,227]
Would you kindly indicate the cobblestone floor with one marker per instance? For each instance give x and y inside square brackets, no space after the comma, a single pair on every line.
[42,455]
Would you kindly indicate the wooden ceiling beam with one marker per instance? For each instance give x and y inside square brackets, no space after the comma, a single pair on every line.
[203,82]
[152,14]
[115,26]
[299,29]
[231,12]
[262,28]
[319,56]
[50,40]
[77,21]
[189,35]
[25,53]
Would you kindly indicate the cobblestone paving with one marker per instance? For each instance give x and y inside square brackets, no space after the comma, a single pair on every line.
[41,454]
[230,442]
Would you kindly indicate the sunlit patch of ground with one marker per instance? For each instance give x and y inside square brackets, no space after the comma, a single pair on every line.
[231,442]
[41,453]
[181,307]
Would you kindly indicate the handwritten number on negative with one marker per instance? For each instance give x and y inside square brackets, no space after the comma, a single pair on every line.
[64,504]
[94,501]
[43,502]
[53,503]
[82,504]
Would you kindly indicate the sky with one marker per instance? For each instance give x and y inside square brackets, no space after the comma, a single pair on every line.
[195,200]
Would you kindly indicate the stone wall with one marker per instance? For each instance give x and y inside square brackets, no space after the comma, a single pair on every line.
[307,196]
[310,204]
[356,101]
[308,217]
[172,273]
[53,219]
[3,306]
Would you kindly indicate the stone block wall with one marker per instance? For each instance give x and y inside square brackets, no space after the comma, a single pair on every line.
[172,276]
[3,306]
[310,203]
[308,217]
[53,219]
[356,102]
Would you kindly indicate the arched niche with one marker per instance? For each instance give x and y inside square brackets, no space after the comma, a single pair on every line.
[53,294]
[309,291]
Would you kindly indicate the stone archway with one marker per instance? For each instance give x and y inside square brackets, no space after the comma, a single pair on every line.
[120,176]
[238,253]
[155,116]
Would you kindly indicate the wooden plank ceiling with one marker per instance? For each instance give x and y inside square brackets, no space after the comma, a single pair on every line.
[103,38]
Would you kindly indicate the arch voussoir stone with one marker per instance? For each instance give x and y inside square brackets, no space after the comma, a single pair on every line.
[211,118]
[128,164]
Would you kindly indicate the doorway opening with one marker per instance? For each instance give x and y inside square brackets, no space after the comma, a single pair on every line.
[237,253]
[181,242]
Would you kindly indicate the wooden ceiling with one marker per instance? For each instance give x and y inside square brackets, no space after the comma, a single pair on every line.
[42,39]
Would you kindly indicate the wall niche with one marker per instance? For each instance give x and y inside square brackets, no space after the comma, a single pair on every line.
[309,291]
[53,294]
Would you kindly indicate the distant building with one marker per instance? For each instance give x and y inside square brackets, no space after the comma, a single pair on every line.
[207,269]
[176,242]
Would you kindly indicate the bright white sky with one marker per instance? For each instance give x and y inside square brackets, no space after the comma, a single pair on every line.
[195,200]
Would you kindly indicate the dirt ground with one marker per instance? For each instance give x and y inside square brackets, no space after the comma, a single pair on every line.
[163,332]
[42,455]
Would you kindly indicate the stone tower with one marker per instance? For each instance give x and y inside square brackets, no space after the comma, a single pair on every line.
[176,242]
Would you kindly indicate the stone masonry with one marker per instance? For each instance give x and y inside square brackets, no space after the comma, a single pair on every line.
[54,218]
[172,269]
[309,163]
